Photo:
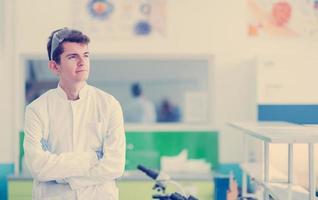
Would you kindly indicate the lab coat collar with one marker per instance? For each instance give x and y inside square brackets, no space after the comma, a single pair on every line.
[82,92]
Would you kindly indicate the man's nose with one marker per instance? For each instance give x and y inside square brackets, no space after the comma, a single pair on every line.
[81,61]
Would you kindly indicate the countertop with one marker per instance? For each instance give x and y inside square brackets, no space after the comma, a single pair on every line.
[137,175]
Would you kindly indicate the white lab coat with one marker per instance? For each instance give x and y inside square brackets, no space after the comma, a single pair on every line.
[140,110]
[74,130]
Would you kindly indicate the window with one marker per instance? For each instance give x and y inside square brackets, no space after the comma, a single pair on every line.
[177,88]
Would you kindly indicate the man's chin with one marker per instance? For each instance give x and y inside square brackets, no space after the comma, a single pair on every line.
[81,79]
[82,76]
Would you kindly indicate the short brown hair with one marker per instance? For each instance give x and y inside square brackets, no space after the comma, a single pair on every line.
[68,35]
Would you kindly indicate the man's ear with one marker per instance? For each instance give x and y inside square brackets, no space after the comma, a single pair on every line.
[54,67]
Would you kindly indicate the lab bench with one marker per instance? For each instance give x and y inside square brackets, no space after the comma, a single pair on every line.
[133,185]
[279,133]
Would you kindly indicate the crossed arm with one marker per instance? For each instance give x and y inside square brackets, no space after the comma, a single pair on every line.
[79,169]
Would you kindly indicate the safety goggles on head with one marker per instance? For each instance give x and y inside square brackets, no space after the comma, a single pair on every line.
[57,38]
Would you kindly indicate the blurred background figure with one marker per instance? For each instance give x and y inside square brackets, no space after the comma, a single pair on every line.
[140,109]
[168,112]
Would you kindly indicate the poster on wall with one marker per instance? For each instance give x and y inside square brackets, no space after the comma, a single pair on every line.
[120,19]
[282,18]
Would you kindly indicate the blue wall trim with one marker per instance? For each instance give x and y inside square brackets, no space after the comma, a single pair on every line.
[300,114]
[5,170]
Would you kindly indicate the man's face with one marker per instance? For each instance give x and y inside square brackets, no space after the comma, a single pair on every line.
[74,66]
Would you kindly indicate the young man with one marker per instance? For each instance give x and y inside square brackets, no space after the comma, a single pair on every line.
[74,135]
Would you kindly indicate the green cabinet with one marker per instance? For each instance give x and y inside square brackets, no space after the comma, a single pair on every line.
[147,147]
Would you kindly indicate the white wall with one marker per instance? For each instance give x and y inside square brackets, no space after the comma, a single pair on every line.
[7,84]
[186,20]
[235,101]
[199,27]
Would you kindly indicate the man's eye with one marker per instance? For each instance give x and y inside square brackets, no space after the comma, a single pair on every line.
[70,57]
[86,56]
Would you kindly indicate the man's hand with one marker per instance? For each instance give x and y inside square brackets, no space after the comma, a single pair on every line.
[45,145]
[100,153]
